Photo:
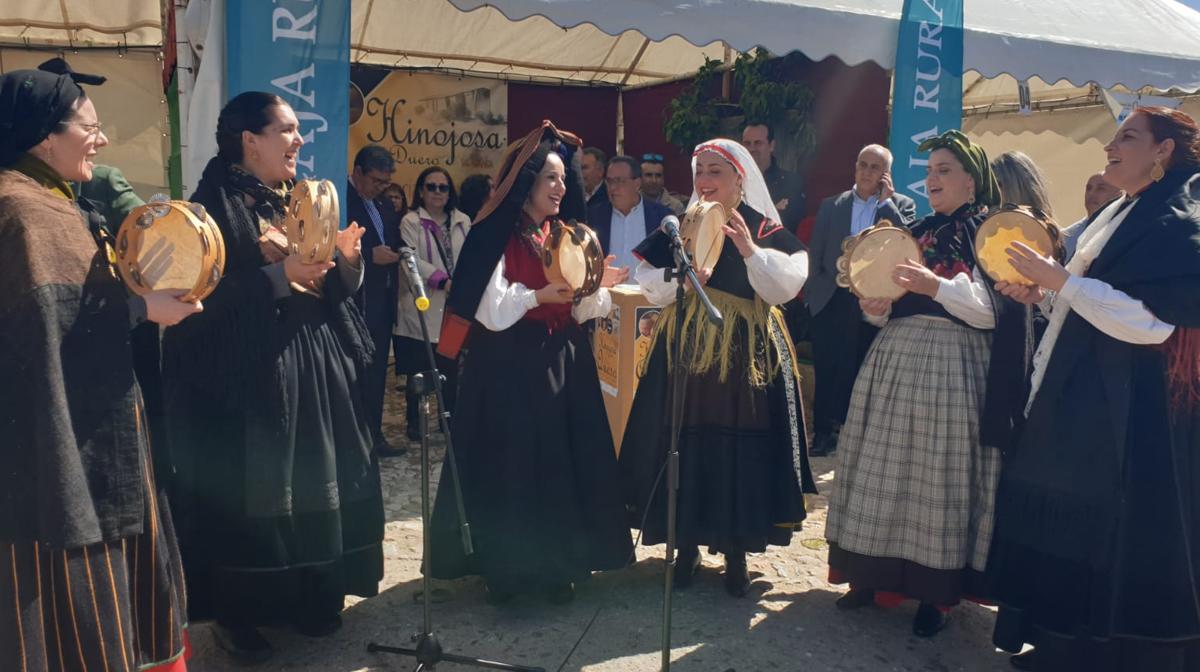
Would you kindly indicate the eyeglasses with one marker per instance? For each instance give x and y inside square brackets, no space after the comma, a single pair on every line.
[380,181]
[618,181]
[91,128]
[653,158]
[432,188]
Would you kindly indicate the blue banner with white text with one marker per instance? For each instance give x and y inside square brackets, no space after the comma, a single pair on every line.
[926,89]
[300,51]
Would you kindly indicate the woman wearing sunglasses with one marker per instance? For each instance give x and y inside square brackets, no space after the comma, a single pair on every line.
[435,230]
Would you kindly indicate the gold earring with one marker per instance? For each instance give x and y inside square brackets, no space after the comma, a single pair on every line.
[1157,172]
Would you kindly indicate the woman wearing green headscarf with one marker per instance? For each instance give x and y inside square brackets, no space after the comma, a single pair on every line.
[910,516]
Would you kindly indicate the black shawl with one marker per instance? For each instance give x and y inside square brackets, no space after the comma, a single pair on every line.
[231,350]
[1106,469]
[496,221]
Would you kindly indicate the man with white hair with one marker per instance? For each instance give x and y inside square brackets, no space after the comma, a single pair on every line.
[840,335]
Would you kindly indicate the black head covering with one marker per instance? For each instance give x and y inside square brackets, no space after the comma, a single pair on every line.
[501,214]
[34,102]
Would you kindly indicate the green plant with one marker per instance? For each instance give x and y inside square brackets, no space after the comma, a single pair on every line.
[693,114]
[786,106]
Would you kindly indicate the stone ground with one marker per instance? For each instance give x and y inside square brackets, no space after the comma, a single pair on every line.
[788,622]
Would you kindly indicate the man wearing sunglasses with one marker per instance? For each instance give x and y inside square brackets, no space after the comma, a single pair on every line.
[654,187]
[373,168]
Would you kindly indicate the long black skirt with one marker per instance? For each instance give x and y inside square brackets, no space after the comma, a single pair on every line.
[276,523]
[535,456]
[742,455]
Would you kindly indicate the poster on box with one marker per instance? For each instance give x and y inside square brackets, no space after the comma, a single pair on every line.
[608,351]
[426,119]
[647,320]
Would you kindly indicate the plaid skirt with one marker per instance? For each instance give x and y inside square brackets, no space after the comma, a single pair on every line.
[913,482]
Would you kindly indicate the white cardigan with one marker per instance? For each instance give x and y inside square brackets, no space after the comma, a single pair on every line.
[416,236]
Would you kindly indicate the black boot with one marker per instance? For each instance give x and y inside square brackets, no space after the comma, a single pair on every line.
[412,414]
[929,620]
[244,643]
[824,443]
[857,598]
[737,579]
[687,563]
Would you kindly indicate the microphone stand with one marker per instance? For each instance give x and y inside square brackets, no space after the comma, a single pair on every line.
[682,272]
[428,651]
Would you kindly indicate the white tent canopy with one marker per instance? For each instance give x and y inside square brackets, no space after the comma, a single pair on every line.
[434,34]
[1131,42]
[81,23]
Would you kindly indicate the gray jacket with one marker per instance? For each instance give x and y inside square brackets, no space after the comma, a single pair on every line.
[831,228]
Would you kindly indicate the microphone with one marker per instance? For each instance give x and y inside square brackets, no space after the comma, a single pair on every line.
[670,226]
[408,262]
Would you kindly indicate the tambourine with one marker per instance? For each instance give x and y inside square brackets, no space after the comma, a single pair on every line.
[869,258]
[170,245]
[571,254]
[312,221]
[1011,224]
[703,233]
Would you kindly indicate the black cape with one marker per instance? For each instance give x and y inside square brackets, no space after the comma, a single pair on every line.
[1098,510]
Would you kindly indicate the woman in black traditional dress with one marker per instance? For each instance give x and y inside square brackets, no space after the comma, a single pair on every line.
[743,455]
[279,506]
[534,450]
[89,569]
[1096,559]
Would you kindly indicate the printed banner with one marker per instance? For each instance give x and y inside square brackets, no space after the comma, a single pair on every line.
[300,51]
[926,90]
[458,123]
[608,352]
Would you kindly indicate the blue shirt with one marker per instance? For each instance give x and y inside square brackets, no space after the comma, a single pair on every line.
[625,232]
[863,213]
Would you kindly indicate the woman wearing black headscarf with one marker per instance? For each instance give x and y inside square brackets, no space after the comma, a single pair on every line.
[533,446]
[89,570]
[279,505]
[934,403]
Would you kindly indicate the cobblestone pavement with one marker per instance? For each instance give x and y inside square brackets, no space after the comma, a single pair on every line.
[788,622]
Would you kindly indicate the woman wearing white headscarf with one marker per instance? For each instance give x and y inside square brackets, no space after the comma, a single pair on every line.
[742,441]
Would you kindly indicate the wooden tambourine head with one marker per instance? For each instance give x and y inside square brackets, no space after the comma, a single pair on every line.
[312,221]
[1014,224]
[571,254]
[703,233]
[868,259]
[172,245]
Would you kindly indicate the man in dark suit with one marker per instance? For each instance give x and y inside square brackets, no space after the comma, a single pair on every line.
[373,168]
[592,165]
[625,218]
[840,336]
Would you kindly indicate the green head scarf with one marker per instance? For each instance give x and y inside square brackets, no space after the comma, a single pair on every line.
[973,159]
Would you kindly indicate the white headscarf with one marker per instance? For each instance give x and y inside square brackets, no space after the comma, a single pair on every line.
[754,187]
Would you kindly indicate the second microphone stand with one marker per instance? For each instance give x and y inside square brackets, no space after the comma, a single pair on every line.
[678,370]
[428,651]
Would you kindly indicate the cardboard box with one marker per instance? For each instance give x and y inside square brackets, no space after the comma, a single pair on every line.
[622,341]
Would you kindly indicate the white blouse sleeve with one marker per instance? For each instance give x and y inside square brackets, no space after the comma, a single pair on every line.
[1114,312]
[968,300]
[503,304]
[777,276]
[877,320]
[658,290]
[596,305]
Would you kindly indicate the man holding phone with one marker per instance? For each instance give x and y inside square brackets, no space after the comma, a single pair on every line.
[840,335]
